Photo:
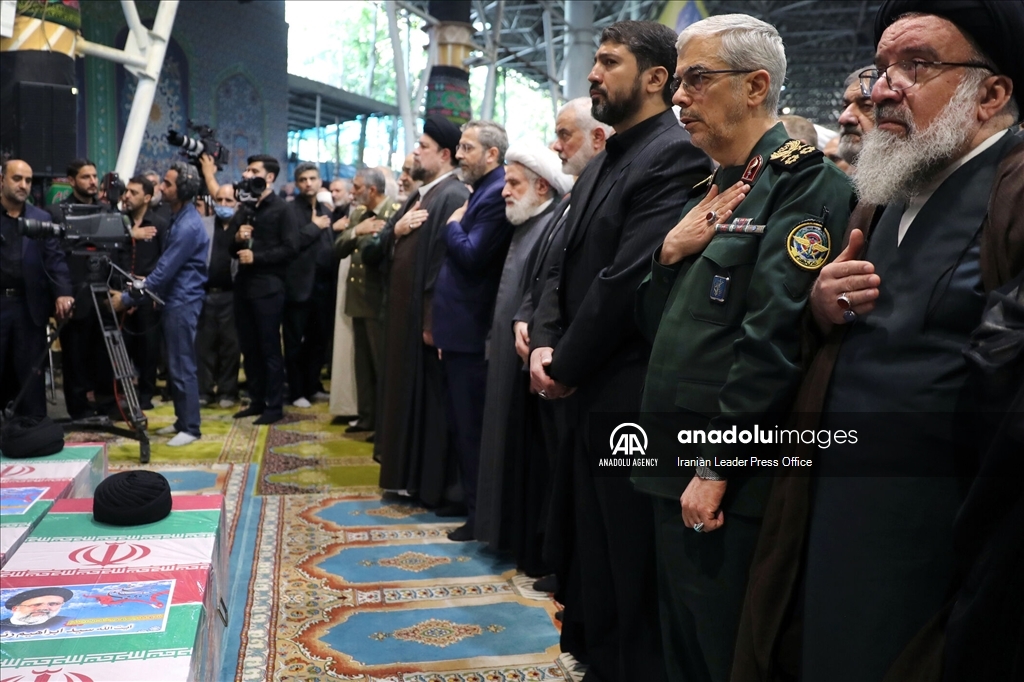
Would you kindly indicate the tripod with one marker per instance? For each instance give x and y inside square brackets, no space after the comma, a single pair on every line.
[121,364]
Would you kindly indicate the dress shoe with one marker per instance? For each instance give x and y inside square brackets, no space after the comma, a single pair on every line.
[250,411]
[548,583]
[559,615]
[343,420]
[369,439]
[453,509]
[269,418]
[358,429]
[463,533]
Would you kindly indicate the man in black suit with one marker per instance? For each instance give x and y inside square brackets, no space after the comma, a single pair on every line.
[265,242]
[32,272]
[142,325]
[308,291]
[585,343]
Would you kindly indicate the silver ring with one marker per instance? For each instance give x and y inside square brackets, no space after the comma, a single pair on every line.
[698,526]
[849,315]
[711,217]
[843,301]
[543,394]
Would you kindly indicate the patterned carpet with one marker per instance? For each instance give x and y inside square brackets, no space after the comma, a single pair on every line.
[328,582]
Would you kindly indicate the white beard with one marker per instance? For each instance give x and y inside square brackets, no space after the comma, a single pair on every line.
[891,168]
[575,164]
[29,620]
[521,210]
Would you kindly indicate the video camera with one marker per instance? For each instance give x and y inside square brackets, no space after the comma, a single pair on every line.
[83,227]
[204,143]
[249,190]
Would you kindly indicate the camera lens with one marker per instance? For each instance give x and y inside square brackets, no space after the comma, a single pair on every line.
[39,229]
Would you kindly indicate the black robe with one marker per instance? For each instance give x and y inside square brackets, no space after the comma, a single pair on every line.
[411,441]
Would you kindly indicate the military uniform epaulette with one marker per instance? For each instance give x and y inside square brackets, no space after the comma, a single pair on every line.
[795,155]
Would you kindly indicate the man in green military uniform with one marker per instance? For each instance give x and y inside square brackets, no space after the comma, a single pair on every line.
[364,289]
[723,307]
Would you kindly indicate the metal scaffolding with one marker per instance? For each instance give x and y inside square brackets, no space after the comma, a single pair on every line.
[825,40]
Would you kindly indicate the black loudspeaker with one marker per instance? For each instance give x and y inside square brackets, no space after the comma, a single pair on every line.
[46,121]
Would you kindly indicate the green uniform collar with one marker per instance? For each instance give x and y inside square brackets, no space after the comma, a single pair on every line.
[773,138]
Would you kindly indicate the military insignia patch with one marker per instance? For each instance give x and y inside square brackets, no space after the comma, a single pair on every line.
[793,154]
[752,169]
[719,289]
[809,245]
[740,225]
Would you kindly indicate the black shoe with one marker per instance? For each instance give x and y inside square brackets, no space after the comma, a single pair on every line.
[341,421]
[559,615]
[548,583]
[358,429]
[251,411]
[453,509]
[463,533]
[146,404]
[369,439]
[269,418]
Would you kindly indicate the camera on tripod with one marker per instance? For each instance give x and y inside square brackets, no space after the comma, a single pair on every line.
[82,227]
[203,143]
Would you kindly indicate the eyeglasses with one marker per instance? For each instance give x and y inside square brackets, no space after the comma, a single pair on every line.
[693,81]
[465,147]
[903,74]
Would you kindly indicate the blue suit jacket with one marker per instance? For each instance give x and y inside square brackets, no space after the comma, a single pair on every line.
[44,269]
[468,282]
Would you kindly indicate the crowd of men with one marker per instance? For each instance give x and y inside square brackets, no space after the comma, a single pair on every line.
[705,266]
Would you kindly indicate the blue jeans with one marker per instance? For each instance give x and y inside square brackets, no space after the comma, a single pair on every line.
[180,323]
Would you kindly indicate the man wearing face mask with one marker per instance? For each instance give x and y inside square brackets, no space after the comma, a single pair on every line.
[217,339]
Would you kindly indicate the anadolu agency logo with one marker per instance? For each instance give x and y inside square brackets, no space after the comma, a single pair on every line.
[628,445]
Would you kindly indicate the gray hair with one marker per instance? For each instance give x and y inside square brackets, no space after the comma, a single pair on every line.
[188,183]
[585,121]
[747,43]
[855,76]
[490,135]
[374,178]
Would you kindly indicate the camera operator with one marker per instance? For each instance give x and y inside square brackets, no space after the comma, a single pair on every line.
[265,242]
[217,341]
[309,290]
[178,278]
[208,166]
[81,339]
[30,271]
[142,325]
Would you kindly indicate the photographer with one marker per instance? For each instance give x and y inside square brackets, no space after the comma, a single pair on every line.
[30,270]
[309,291]
[142,325]
[265,241]
[178,278]
[81,339]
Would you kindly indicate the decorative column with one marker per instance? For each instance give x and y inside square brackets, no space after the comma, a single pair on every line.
[448,85]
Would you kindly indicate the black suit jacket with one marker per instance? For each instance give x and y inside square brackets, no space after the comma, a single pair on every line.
[545,256]
[623,204]
[274,237]
[44,268]
[312,244]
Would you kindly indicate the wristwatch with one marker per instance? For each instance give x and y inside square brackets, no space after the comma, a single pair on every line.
[709,474]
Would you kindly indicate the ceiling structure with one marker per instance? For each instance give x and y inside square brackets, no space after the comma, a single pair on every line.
[335,104]
[824,41]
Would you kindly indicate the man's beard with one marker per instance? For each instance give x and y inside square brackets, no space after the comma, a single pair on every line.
[30,619]
[849,147]
[419,173]
[470,174]
[612,112]
[891,168]
[521,210]
[575,164]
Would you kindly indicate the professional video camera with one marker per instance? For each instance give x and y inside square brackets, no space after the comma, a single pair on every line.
[204,143]
[83,227]
[249,190]
[112,188]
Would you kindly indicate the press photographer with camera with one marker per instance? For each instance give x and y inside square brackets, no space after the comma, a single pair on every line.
[266,234]
[32,273]
[81,339]
[142,327]
[178,279]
